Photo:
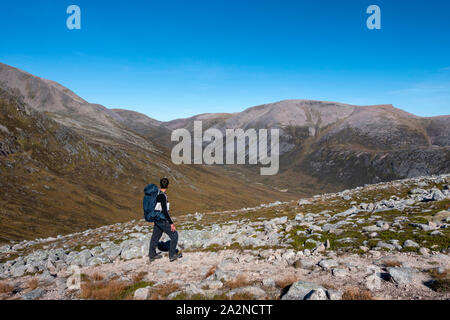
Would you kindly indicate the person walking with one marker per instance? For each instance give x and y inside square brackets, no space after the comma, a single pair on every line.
[163,225]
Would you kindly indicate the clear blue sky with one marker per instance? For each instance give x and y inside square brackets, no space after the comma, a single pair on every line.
[172,59]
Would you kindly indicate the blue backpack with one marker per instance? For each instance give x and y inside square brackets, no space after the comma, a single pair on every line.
[150,193]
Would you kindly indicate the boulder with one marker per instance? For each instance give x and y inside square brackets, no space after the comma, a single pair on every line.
[385,245]
[320,248]
[348,212]
[303,202]
[131,252]
[5,248]
[215,285]
[97,260]
[382,225]
[18,271]
[141,294]
[222,275]
[192,289]
[112,252]
[107,244]
[318,294]
[410,243]
[96,251]
[339,273]
[334,295]
[289,257]
[373,281]
[55,255]
[437,195]
[304,264]
[300,289]
[35,294]
[441,216]
[401,276]
[371,228]
[328,263]
[46,279]
[82,258]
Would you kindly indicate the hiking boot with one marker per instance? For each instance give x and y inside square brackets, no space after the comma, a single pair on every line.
[158,256]
[176,256]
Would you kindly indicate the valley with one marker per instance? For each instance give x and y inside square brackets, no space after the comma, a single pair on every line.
[67,165]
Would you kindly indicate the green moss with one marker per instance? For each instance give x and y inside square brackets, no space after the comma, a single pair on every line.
[117,241]
[181,296]
[220,297]
[213,247]
[419,220]
[410,249]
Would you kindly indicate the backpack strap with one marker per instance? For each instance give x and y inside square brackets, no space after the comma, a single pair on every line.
[159,192]
[165,195]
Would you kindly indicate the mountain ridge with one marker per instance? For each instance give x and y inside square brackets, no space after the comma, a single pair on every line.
[324,146]
[60,174]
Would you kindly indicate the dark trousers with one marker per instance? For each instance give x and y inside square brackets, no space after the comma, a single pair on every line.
[158,229]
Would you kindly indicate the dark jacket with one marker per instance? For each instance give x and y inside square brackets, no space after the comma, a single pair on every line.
[162,199]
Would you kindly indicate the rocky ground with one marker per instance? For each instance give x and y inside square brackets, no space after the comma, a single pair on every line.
[384,241]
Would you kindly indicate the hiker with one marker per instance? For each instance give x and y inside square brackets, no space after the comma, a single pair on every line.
[156,209]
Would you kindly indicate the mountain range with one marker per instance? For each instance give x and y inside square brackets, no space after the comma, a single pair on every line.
[67,164]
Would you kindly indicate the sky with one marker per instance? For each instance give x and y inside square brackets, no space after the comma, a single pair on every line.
[174,59]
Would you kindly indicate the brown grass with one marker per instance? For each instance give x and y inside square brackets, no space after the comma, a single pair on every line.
[240,281]
[392,263]
[162,291]
[440,276]
[210,272]
[6,287]
[286,281]
[241,296]
[97,276]
[329,286]
[139,276]
[357,294]
[102,290]
[33,283]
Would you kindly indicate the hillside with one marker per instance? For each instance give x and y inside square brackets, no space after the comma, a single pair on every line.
[63,172]
[382,241]
[328,146]
[149,128]
[70,165]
